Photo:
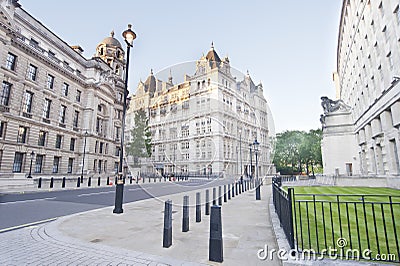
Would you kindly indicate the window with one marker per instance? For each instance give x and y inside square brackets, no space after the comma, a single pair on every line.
[58,141]
[50,82]
[95,146]
[27,108]
[17,166]
[72,144]
[70,164]
[76,119]
[32,72]
[101,149]
[99,166]
[39,163]
[22,134]
[117,133]
[42,138]
[11,60]
[65,87]
[78,96]
[3,127]
[117,151]
[398,15]
[62,114]
[56,164]
[116,166]
[5,93]
[46,108]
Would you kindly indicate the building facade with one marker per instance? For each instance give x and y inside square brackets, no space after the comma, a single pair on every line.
[59,111]
[361,128]
[204,125]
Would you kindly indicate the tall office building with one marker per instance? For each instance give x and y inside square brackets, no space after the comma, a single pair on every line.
[206,123]
[361,127]
[59,111]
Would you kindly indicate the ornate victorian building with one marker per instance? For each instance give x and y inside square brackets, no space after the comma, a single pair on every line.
[205,124]
[58,110]
[361,136]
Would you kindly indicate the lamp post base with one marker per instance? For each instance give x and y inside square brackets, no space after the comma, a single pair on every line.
[119,193]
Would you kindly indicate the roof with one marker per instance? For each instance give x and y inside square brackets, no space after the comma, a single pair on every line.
[111,41]
[213,57]
[150,83]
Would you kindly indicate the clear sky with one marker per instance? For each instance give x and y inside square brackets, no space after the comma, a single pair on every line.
[288,45]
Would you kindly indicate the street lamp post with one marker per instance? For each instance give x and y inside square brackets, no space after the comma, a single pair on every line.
[129,36]
[30,168]
[84,153]
[256,144]
[240,152]
[251,161]
[258,183]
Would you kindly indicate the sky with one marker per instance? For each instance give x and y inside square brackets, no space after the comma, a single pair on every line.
[288,45]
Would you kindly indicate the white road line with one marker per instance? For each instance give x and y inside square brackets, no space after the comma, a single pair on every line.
[133,189]
[25,201]
[96,193]
[26,225]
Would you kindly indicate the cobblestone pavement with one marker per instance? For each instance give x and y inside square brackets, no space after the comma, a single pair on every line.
[44,245]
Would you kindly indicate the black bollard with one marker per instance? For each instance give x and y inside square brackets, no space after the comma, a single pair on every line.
[149,180]
[130,180]
[207,202]
[240,188]
[258,194]
[185,217]
[119,194]
[229,191]
[98,181]
[236,189]
[225,200]
[108,180]
[51,182]
[167,235]
[215,248]
[243,186]
[233,190]
[220,196]
[89,182]
[198,208]
[40,183]
[214,201]
[63,182]
[78,184]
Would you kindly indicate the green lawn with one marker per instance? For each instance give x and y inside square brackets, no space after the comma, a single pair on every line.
[322,219]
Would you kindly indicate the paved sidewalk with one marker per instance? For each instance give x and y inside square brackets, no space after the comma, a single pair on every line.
[100,237]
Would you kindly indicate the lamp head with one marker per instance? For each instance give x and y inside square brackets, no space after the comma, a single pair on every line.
[129,35]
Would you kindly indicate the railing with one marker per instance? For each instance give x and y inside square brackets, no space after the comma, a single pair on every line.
[348,226]
[283,207]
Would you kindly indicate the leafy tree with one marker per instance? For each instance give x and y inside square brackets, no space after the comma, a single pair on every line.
[140,146]
[297,150]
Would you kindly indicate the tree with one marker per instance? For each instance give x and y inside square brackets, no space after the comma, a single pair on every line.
[140,146]
[297,150]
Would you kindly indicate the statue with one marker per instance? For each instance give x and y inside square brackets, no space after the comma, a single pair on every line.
[330,106]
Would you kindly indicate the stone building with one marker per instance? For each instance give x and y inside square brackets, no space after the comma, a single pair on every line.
[54,100]
[361,128]
[204,125]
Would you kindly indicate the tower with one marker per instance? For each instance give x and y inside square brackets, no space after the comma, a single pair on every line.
[110,50]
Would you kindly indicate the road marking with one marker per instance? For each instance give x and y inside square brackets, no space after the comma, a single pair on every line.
[26,225]
[95,193]
[24,201]
[133,189]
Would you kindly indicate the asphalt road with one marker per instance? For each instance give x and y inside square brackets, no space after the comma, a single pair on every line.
[22,209]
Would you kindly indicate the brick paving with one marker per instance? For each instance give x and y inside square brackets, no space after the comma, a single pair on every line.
[44,245]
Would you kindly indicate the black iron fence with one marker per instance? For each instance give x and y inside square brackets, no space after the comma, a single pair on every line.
[283,207]
[350,226]
[345,226]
